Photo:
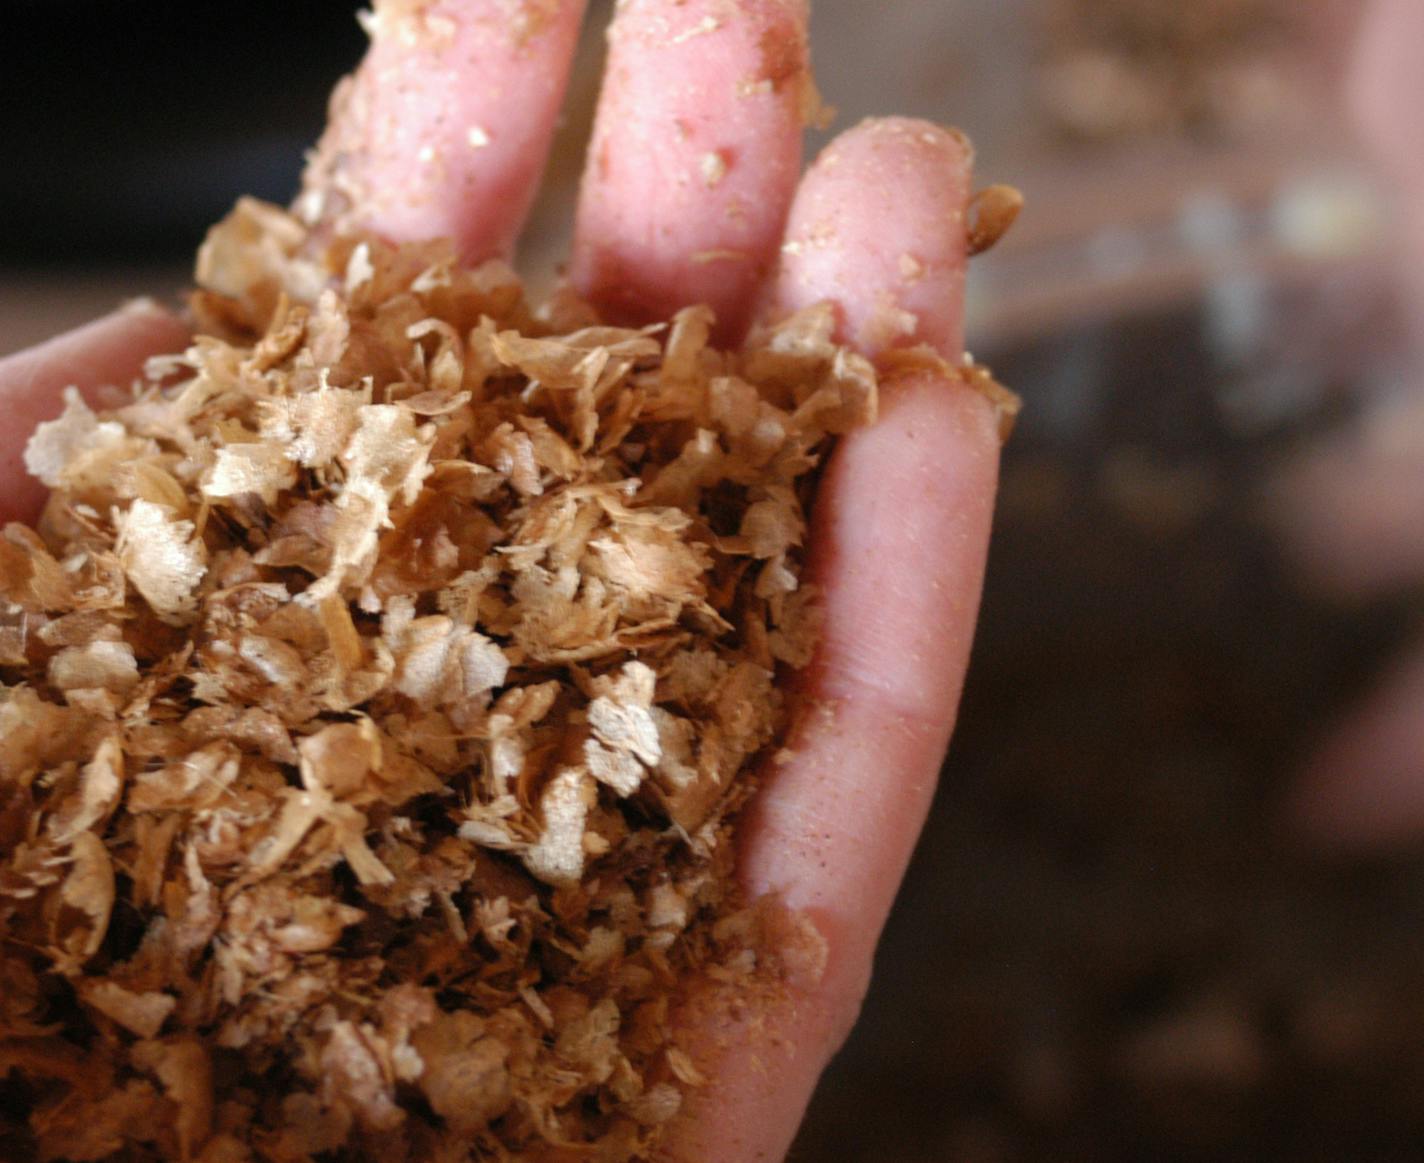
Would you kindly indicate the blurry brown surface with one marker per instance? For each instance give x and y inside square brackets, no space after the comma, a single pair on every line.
[1113,68]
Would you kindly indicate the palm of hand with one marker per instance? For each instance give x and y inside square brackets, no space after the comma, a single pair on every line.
[690,195]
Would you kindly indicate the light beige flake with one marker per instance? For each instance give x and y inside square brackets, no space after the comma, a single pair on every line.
[912,270]
[77,432]
[713,168]
[100,665]
[621,717]
[162,558]
[353,1073]
[100,784]
[340,758]
[701,28]
[557,856]
[141,1014]
[262,469]
[388,451]
[440,662]
[656,1105]
[773,525]
[88,890]
[314,428]
[360,513]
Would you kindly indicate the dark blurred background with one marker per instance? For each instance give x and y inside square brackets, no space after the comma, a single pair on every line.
[130,127]
[1106,949]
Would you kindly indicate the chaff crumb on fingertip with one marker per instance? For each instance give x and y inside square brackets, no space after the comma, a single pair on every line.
[992,212]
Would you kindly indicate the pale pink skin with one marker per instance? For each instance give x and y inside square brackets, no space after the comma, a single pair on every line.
[1355,524]
[902,521]
[878,227]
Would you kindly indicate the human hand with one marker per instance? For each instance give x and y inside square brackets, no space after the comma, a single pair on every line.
[692,195]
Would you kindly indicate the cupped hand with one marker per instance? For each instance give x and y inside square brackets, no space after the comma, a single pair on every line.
[692,192]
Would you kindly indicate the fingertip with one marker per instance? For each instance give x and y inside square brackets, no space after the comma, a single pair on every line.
[1384,86]
[879,228]
[743,1036]
[444,129]
[1337,812]
[111,347]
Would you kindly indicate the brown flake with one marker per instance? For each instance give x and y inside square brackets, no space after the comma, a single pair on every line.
[992,211]
[139,1013]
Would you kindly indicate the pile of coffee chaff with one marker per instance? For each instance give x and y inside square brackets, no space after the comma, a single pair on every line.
[379,691]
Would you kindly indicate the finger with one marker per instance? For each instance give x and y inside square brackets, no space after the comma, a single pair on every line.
[895,574]
[695,154]
[444,129]
[1365,788]
[110,350]
[900,534]
[901,529]
[894,266]
[1347,514]
[905,517]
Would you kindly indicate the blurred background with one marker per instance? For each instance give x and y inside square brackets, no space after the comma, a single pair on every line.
[1108,947]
